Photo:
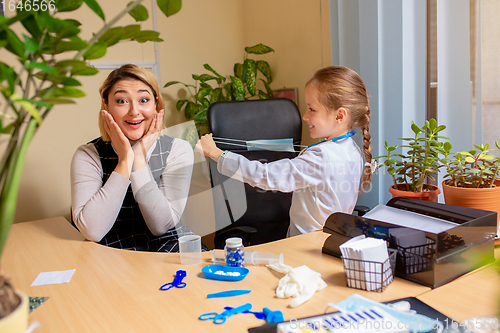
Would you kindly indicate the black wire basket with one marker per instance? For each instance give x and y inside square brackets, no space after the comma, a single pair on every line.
[415,259]
[370,275]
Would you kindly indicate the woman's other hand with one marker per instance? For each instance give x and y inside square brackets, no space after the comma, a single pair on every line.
[147,141]
[207,147]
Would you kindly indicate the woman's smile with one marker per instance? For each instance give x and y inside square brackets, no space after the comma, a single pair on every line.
[133,107]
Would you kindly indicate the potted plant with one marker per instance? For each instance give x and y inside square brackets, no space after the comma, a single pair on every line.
[48,57]
[410,171]
[242,85]
[472,178]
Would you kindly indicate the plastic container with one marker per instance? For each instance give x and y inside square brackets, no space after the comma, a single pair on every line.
[251,257]
[235,252]
[224,273]
[190,249]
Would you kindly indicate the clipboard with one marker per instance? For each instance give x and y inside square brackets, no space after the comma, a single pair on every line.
[416,304]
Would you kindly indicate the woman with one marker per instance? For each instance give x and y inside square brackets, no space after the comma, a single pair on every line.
[129,187]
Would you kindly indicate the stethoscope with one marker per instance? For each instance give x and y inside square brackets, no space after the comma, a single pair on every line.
[338,138]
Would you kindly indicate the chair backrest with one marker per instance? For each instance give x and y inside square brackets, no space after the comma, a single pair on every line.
[236,205]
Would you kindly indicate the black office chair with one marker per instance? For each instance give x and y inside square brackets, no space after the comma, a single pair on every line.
[255,215]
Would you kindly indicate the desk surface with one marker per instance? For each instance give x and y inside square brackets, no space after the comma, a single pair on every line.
[117,290]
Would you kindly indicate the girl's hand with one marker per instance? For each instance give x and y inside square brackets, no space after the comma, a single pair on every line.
[207,147]
[147,141]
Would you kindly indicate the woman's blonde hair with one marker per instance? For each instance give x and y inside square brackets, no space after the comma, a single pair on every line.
[337,87]
[128,72]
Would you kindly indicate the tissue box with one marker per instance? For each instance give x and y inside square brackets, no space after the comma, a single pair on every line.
[428,255]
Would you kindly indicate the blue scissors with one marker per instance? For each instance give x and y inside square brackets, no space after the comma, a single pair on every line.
[179,275]
[221,318]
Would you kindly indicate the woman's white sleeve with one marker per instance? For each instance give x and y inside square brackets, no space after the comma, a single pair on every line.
[162,206]
[285,175]
[94,207]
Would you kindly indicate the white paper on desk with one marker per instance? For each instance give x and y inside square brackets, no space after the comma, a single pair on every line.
[409,219]
[374,250]
[55,277]
[354,279]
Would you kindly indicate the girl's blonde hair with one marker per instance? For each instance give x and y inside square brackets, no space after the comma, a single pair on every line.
[337,87]
[128,72]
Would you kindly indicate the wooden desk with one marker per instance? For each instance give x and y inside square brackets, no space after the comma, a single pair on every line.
[476,294]
[118,291]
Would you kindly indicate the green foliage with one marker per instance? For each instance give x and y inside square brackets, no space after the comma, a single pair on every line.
[421,159]
[50,56]
[213,87]
[473,168]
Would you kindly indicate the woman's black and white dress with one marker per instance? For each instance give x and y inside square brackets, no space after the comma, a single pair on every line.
[142,213]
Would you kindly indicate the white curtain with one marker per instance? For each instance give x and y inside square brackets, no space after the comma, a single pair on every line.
[384,41]
[453,68]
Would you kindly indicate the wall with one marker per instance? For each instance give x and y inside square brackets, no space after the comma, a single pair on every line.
[213,32]
[490,29]
[299,32]
[195,35]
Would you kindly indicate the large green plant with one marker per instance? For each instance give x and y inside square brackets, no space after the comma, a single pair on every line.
[421,160]
[49,56]
[210,88]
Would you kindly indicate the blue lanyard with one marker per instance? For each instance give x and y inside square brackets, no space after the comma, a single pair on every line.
[348,134]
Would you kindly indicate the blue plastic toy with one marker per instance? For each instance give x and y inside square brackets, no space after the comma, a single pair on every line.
[221,318]
[179,275]
[273,316]
[258,315]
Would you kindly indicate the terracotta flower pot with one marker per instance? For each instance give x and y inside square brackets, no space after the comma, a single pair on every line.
[479,198]
[17,321]
[430,194]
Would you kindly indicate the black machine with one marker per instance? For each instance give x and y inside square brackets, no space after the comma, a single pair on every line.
[440,256]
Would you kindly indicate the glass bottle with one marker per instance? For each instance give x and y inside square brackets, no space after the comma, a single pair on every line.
[235,252]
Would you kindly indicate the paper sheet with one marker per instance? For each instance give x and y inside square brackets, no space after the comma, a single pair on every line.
[55,277]
[366,275]
[374,250]
[409,219]
[354,279]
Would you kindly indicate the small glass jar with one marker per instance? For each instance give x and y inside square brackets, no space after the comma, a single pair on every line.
[235,252]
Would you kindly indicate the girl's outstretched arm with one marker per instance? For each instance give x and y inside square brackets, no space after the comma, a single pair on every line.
[207,147]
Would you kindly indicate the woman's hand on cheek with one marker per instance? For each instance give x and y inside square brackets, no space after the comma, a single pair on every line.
[120,142]
[207,147]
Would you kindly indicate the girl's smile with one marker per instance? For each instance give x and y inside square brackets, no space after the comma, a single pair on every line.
[321,122]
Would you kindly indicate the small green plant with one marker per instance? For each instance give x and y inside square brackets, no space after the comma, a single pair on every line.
[473,168]
[421,160]
[241,85]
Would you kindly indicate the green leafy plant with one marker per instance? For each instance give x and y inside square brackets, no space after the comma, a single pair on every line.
[473,168]
[421,160]
[49,56]
[211,88]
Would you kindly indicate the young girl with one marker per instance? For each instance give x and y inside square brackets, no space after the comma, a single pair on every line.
[129,187]
[325,177]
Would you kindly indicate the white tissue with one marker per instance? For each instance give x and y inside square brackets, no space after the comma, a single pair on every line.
[300,283]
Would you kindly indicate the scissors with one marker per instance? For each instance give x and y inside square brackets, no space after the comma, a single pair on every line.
[221,318]
[179,275]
